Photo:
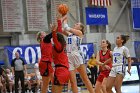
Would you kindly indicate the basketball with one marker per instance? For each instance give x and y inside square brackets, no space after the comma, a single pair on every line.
[63,9]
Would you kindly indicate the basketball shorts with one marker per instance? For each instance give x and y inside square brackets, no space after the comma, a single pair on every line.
[75,60]
[61,76]
[102,75]
[45,68]
[117,70]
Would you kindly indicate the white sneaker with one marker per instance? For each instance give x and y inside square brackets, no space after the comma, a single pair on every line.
[49,90]
[69,91]
[79,89]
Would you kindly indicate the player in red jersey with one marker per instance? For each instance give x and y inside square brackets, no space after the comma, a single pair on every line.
[45,67]
[103,57]
[61,74]
[73,40]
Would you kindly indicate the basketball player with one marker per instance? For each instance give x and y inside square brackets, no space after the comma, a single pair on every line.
[45,67]
[73,40]
[61,74]
[120,56]
[103,57]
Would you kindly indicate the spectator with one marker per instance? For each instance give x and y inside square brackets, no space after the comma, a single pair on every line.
[18,68]
[28,83]
[10,79]
[4,80]
[38,76]
[93,69]
[1,85]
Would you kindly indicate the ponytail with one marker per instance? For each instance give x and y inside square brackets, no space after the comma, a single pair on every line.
[109,45]
[38,36]
[125,38]
[82,28]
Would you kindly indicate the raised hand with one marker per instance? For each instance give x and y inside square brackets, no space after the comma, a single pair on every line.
[64,18]
[59,16]
[53,27]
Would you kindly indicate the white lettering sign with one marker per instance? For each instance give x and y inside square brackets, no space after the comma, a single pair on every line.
[96,16]
[29,53]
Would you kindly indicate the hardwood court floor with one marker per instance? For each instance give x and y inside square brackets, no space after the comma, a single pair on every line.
[129,88]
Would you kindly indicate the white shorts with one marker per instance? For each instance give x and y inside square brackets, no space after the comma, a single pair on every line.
[75,60]
[117,70]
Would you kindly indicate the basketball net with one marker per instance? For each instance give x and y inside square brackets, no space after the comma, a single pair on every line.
[54,5]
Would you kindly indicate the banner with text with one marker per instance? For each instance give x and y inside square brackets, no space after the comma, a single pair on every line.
[135,7]
[136,18]
[31,53]
[96,16]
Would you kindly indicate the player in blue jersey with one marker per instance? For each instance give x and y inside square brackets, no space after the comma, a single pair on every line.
[74,39]
[120,56]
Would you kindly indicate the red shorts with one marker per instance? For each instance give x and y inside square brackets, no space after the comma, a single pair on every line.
[61,76]
[102,75]
[45,68]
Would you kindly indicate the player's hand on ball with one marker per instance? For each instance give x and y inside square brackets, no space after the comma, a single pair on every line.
[59,16]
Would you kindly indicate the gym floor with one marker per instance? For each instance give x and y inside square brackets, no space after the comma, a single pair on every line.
[127,88]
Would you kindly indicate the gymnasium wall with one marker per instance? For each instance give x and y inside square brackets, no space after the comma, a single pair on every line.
[123,26]
[94,33]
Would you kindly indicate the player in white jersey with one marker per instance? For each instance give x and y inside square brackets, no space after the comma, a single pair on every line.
[74,37]
[120,56]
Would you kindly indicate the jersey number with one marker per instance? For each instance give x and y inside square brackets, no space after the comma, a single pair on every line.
[115,60]
[69,40]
